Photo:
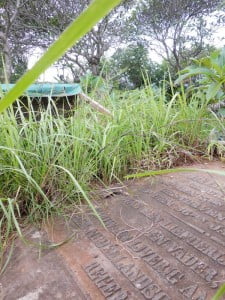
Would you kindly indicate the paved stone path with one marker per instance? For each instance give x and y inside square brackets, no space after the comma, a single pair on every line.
[164,239]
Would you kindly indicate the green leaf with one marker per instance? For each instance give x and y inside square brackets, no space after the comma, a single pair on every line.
[80,189]
[221,112]
[159,172]
[215,54]
[193,71]
[79,27]
[212,90]
[219,293]
[217,59]
[168,171]
[221,58]
[205,62]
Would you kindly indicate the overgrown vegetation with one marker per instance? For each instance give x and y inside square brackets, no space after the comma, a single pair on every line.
[50,161]
[78,28]
[42,159]
[209,75]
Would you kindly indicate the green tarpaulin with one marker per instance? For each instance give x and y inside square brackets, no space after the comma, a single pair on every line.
[47,89]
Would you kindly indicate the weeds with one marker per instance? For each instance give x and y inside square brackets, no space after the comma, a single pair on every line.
[48,162]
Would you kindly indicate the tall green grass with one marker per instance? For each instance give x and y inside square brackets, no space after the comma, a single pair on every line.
[48,162]
[145,129]
[24,178]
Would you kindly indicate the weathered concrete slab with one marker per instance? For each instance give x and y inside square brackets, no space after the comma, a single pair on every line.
[164,239]
[38,274]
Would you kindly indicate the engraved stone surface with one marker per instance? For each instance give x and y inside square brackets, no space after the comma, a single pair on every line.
[164,238]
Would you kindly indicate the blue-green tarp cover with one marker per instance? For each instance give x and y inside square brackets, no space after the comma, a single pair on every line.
[47,89]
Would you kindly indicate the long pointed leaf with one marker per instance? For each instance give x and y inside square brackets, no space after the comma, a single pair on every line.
[168,171]
[96,11]
[193,71]
[212,90]
[219,293]
[80,189]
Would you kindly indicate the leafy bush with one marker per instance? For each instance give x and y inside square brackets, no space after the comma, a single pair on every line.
[131,66]
[209,72]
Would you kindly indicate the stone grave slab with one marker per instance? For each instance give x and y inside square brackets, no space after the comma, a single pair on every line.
[164,238]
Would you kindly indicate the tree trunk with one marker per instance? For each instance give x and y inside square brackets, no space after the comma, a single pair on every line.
[7,61]
[6,56]
[95,69]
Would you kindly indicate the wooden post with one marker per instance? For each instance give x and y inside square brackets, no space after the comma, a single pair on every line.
[95,104]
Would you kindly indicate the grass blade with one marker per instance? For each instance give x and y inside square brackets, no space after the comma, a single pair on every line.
[167,171]
[159,172]
[3,268]
[79,27]
[76,183]
[219,293]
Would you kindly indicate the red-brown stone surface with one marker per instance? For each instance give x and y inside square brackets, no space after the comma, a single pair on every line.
[164,239]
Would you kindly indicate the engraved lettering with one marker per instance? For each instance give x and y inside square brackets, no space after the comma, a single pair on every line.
[186,212]
[199,267]
[92,266]
[150,291]
[115,229]
[142,282]
[210,274]
[83,223]
[153,259]
[175,276]
[221,260]
[189,260]
[105,282]
[110,224]
[137,246]
[161,198]
[172,246]
[124,236]
[110,289]
[112,251]
[162,266]
[216,227]
[93,234]
[101,242]
[189,291]
[95,273]
[125,269]
[158,237]
[120,295]
[160,296]
[196,242]
[139,279]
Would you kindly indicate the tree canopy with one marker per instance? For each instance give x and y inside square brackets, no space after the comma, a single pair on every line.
[131,66]
[175,29]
